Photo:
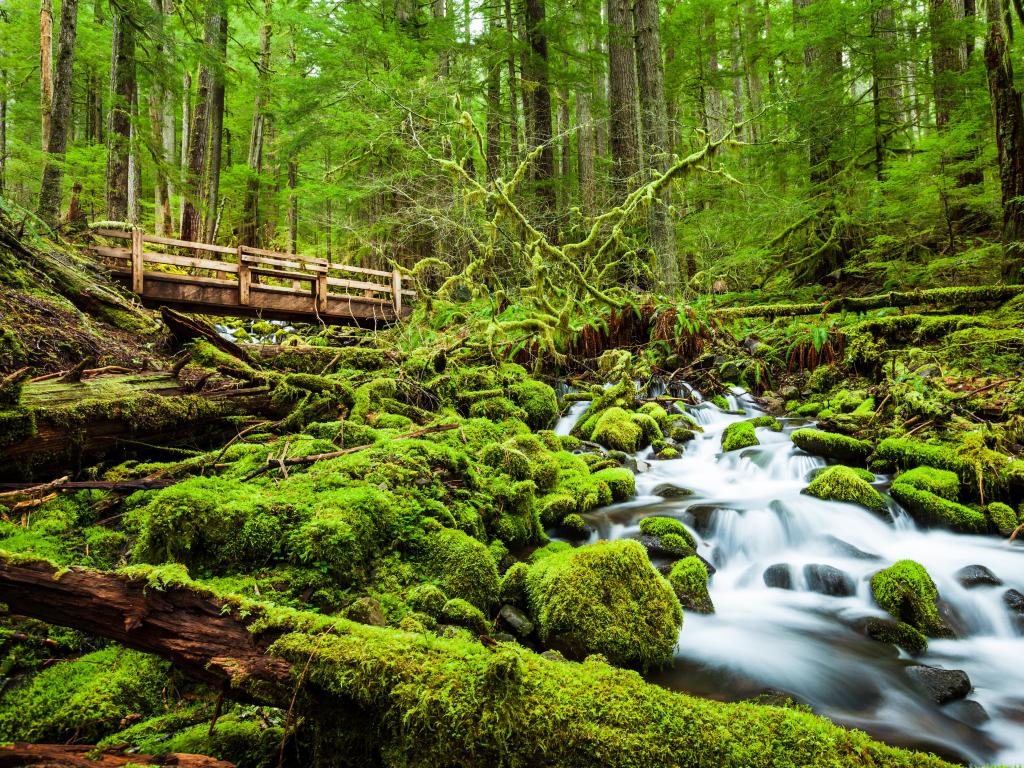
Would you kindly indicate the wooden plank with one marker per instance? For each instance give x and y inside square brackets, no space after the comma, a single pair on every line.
[190,261]
[308,266]
[360,270]
[283,274]
[119,233]
[187,244]
[111,253]
[359,285]
[138,266]
[321,292]
[279,255]
[396,290]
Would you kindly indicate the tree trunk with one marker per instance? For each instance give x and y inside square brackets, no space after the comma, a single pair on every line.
[216,130]
[565,147]
[250,226]
[3,130]
[192,217]
[885,92]
[492,157]
[657,151]
[186,123]
[625,147]
[513,90]
[122,94]
[91,756]
[437,10]
[1009,125]
[544,166]
[46,68]
[821,94]
[161,147]
[714,122]
[586,155]
[60,118]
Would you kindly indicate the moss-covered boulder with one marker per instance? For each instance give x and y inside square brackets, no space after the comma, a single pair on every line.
[929,496]
[617,430]
[896,633]
[460,613]
[908,594]
[1002,518]
[739,434]
[830,445]
[538,401]
[605,598]
[689,580]
[667,526]
[847,484]
[462,567]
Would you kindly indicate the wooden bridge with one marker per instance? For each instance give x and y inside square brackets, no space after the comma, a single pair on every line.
[253,282]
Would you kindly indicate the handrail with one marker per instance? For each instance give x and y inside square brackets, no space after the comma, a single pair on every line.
[252,263]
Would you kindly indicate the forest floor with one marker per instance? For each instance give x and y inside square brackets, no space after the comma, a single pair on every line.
[350,548]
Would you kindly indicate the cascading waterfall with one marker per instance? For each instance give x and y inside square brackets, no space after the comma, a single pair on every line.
[746,511]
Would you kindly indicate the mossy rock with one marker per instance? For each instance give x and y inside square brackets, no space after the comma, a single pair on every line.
[929,509]
[768,422]
[605,598]
[537,400]
[1002,518]
[620,481]
[462,567]
[908,594]
[830,445]
[940,482]
[739,434]
[658,413]
[462,614]
[427,598]
[897,633]
[689,580]
[664,526]
[616,429]
[847,484]
[513,586]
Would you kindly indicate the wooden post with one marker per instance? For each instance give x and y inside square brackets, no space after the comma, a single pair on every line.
[244,279]
[396,289]
[137,262]
[321,288]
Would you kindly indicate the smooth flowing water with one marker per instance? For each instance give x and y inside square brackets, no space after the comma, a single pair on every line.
[747,514]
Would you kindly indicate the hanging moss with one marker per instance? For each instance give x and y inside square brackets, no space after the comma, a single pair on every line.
[832,446]
[908,594]
[605,598]
[689,580]
[841,483]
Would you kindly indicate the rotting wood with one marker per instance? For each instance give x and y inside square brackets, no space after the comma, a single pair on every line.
[23,755]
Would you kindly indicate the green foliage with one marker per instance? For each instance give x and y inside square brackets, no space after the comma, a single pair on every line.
[463,614]
[841,483]
[605,598]
[908,594]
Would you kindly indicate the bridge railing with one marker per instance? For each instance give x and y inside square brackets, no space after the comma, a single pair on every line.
[271,270]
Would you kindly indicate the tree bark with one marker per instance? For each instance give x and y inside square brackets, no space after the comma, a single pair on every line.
[513,90]
[250,227]
[45,68]
[122,94]
[586,153]
[625,147]
[3,130]
[60,118]
[544,167]
[656,147]
[1009,126]
[492,157]
[192,217]
[216,131]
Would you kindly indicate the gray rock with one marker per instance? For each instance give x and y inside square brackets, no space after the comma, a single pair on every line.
[365,610]
[828,580]
[778,576]
[967,711]
[940,685]
[670,491]
[845,549]
[1014,601]
[977,576]
[656,548]
[789,392]
[515,620]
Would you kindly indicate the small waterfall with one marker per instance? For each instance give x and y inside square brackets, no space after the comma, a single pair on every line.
[748,513]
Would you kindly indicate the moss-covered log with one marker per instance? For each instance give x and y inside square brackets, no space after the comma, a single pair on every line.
[20,755]
[947,297]
[420,700]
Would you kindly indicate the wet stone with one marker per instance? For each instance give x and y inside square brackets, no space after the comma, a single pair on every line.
[515,620]
[1014,600]
[940,685]
[778,576]
[670,491]
[977,576]
[967,711]
[828,580]
[845,549]
[657,548]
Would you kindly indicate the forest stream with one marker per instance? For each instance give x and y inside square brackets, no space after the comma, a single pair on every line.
[748,514]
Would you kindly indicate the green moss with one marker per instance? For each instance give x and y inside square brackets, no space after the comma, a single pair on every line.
[848,450]
[720,402]
[616,429]
[620,481]
[570,442]
[463,614]
[739,434]
[605,598]
[908,594]
[930,509]
[1004,520]
[241,737]
[664,526]
[426,598]
[462,567]
[898,633]
[669,453]
[343,433]
[940,482]
[658,413]
[808,409]
[575,525]
[497,409]
[513,586]
[769,422]
[83,699]
[689,580]
[537,400]
[841,483]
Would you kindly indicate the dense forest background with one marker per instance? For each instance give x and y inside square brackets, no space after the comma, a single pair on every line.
[877,141]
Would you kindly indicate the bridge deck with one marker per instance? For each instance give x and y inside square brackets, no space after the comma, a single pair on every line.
[252,282]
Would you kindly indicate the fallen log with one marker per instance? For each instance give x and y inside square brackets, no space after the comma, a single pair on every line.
[966,295]
[19,755]
[428,702]
[185,328]
[22,490]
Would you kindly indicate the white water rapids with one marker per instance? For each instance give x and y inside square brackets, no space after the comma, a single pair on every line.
[747,513]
